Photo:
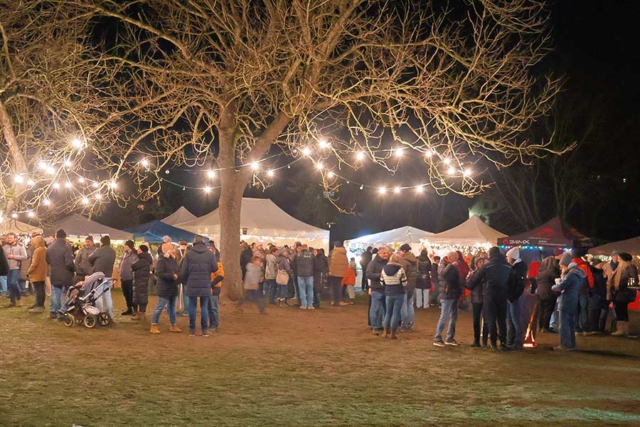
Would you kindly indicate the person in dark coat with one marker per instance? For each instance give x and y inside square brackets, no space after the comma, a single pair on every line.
[494,277]
[451,289]
[423,282]
[376,290]
[126,275]
[195,272]
[547,275]
[516,322]
[597,300]
[570,283]
[4,265]
[103,260]
[365,259]
[60,259]
[141,274]
[167,270]
[303,266]
[320,271]
[435,280]
[619,292]
[476,301]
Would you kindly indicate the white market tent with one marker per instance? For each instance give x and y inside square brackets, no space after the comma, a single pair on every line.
[394,238]
[9,225]
[262,220]
[471,233]
[79,227]
[179,216]
[630,246]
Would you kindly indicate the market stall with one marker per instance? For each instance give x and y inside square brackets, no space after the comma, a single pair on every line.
[630,246]
[179,216]
[154,231]
[262,220]
[470,237]
[79,227]
[394,238]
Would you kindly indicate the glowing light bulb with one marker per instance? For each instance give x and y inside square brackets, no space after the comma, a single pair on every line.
[46,202]
[50,170]
[360,155]
[30,183]
[145,163]
[270,173]
[98,196]
[207,189]
[113,185]
[331,175]
[77,143]
[419,189]
[319,165]
[81,180]
[85,201]
[30,214]
[467,172]
[42,165]
[211,174]
[399,152]
[14,215]
[56,185]
[1,219]
[67,163]
[429,153]
[362,187]
[306,151]
[447,160]
[397,190]
[452,171]
[68,185]
[382,190]
[255,166]
[324,144]
[95,185]
[19,179]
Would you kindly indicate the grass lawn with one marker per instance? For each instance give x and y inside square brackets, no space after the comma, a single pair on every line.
[301,368]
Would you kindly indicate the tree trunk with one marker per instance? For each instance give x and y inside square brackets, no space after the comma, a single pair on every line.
[230,205]
[17,162]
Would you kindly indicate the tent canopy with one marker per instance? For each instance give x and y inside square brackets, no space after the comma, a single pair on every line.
[181,215]
[397,235]
[154,231]
[12,225]
[472,232]
[554,232]
[78,226]
[630,246]
[261,219]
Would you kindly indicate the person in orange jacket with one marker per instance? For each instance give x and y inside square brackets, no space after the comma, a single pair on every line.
[349,280]
[216,288]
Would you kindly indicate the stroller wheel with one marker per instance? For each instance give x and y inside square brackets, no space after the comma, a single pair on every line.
[69,320]
[90,321]
[104,319]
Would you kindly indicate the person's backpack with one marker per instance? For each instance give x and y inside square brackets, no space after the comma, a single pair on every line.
[282,277]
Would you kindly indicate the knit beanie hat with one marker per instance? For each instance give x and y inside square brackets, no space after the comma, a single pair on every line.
[565,259]
[144,248]
[129,243]
[338,243]
[514,253]
[61,234]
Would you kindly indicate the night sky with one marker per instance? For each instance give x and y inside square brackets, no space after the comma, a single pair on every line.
[596,49]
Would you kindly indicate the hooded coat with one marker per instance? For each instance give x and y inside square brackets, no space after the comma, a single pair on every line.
[409,263]
[518,280]
[38,269]
[60,258]
[424,273]
[494,278]
[165,269]
[141,274]
[374,273]
[83,266]
[103,260]
[570,288]
[450,281]
[196,269]
[547,275]
[394,279]
[338,262]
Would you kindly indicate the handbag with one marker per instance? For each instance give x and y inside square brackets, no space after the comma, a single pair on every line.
[632,294]
[282,277]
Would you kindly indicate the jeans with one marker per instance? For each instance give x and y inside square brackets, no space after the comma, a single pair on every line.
[55,302]
[422,298]
[12,284]
[3,285]
[408,312]
[170,304]
[127,292]
[272,290]
[105,303]
[582,315]
[255,297]
[567,329]
[479,322]
[394,308]
[515,326]
[305,286]
[547,305]
[351,292]
[448,313]
[282,292]
[376,313]
[335,285]
[495,315]
[39,290]
[365,281]
[22,285]
[204,313]
[185,299]
[214,312]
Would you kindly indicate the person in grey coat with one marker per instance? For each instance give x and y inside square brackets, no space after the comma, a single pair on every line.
[102,261]
[195,272]
[126,275]
[303,266]
[60,259]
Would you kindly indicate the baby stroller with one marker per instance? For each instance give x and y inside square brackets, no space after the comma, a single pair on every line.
[80,306]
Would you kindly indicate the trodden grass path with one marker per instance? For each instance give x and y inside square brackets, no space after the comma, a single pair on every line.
[302,368]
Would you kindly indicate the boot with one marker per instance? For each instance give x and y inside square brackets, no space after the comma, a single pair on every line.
[394,333]
[136,317]
[154,329]
[620,329]
[174,328]
[128,312]
[475,344]
[386,333]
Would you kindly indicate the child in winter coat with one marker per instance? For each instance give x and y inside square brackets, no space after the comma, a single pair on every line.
[349,280]
[216,287]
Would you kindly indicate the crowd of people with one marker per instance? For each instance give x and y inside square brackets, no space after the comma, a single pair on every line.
[572,293]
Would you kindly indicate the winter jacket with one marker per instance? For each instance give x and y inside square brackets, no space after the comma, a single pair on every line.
[338,262]
[60,258]
[321,264]
[252,278]
[126,273]
[477,287]
[518,280]
[282,263]
[25,264]
[626,271]
[270,270]
[196,269]
[493,277]
[582,265]
[4,265]
[374,272]
[365,259]
[349,278]
[409,263]
[216,280]
[424,273]
[547,275]
[38,268]
[303,264]
[435,275]
[393,278]
[570,288]
[102,260]
[165,270]
[599,283]
[450,281]
[141,274]
[83,266]
[19,254]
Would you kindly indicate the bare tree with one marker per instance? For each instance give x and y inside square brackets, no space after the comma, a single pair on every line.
[234,78]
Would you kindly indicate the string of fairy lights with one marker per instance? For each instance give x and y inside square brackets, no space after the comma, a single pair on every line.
[89,191]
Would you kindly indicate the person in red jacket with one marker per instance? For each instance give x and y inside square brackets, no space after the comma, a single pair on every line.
[582,315]
[349,280]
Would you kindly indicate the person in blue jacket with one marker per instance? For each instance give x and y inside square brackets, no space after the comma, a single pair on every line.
[569,286]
